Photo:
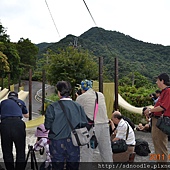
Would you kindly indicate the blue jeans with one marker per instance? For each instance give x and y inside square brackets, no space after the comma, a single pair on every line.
[64,152]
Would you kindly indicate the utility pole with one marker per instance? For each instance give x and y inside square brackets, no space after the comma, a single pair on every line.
[75,42]
[9,81]
[30,94]
[43,92]
[101,74]
[116,84]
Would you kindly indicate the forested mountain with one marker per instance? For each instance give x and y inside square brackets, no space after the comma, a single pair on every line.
[133,55]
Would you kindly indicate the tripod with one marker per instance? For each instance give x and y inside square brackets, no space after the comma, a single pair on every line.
[33,158]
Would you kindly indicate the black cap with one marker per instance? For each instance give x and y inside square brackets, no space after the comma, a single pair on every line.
[12,94]
[165,78]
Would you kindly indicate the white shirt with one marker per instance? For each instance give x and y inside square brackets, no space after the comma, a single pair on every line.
[122,130]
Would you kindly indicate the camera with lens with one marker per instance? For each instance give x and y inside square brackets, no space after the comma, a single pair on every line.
[79,92]
[150,115]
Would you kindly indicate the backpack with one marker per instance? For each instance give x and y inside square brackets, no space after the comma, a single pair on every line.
[142,147]
[130,122]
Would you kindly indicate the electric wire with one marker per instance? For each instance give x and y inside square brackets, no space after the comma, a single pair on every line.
[98,29]
[52,18]
[89,12]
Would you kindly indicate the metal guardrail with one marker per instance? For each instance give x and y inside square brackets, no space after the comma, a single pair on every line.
[48,90]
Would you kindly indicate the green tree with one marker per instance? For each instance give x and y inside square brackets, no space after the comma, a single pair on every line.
[135,79]
[28,54]
[72,65]
[3,36]
[4,65]
[14,60]
[11,54]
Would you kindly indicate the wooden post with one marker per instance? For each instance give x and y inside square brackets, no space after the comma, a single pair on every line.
[2,83]
[43,92]
[116,84]
[30,94]
[101,74]
[9,79]
[19,82]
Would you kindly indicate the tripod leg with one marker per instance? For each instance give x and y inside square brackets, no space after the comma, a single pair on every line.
[27,158]
[36,165]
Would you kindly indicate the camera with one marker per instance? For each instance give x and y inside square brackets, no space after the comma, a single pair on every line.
[144,110]
[150,115]
[30,147]
[93,142]
[79,92]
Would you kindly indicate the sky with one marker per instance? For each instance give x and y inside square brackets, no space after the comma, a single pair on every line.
[144,20]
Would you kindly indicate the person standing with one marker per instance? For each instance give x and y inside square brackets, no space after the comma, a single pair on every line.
[61,146]
[13,131]
[160,139]
[87,101]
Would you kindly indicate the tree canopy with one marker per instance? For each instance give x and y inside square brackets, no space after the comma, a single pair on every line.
[17,56]
[71,64]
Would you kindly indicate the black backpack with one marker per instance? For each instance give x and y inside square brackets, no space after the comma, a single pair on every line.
[130,122]
[142,147]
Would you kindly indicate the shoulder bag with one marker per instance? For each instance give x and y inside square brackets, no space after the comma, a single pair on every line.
[80,136]
[120,145]
[163,123]
[93,139]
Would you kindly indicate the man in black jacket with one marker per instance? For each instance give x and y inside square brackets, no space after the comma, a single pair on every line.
[13,131]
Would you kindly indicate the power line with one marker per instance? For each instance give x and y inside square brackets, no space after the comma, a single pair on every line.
[98,28]
[89,12]
[52,18]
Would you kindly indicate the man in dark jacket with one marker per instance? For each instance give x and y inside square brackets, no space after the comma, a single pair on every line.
[13,131]
[61,146]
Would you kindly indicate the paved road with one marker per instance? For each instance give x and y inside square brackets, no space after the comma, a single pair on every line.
[35,87]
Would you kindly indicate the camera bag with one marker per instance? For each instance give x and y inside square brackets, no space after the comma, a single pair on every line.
[163,123]
[79,136]
[120,145]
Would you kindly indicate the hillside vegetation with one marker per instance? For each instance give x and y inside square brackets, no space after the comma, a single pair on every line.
[133,55]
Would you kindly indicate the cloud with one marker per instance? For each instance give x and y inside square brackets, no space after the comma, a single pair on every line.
[146,20]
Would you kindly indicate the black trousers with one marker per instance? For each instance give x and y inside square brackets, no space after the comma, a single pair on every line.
[13,131]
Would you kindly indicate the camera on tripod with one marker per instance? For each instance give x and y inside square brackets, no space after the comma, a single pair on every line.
[30,147]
